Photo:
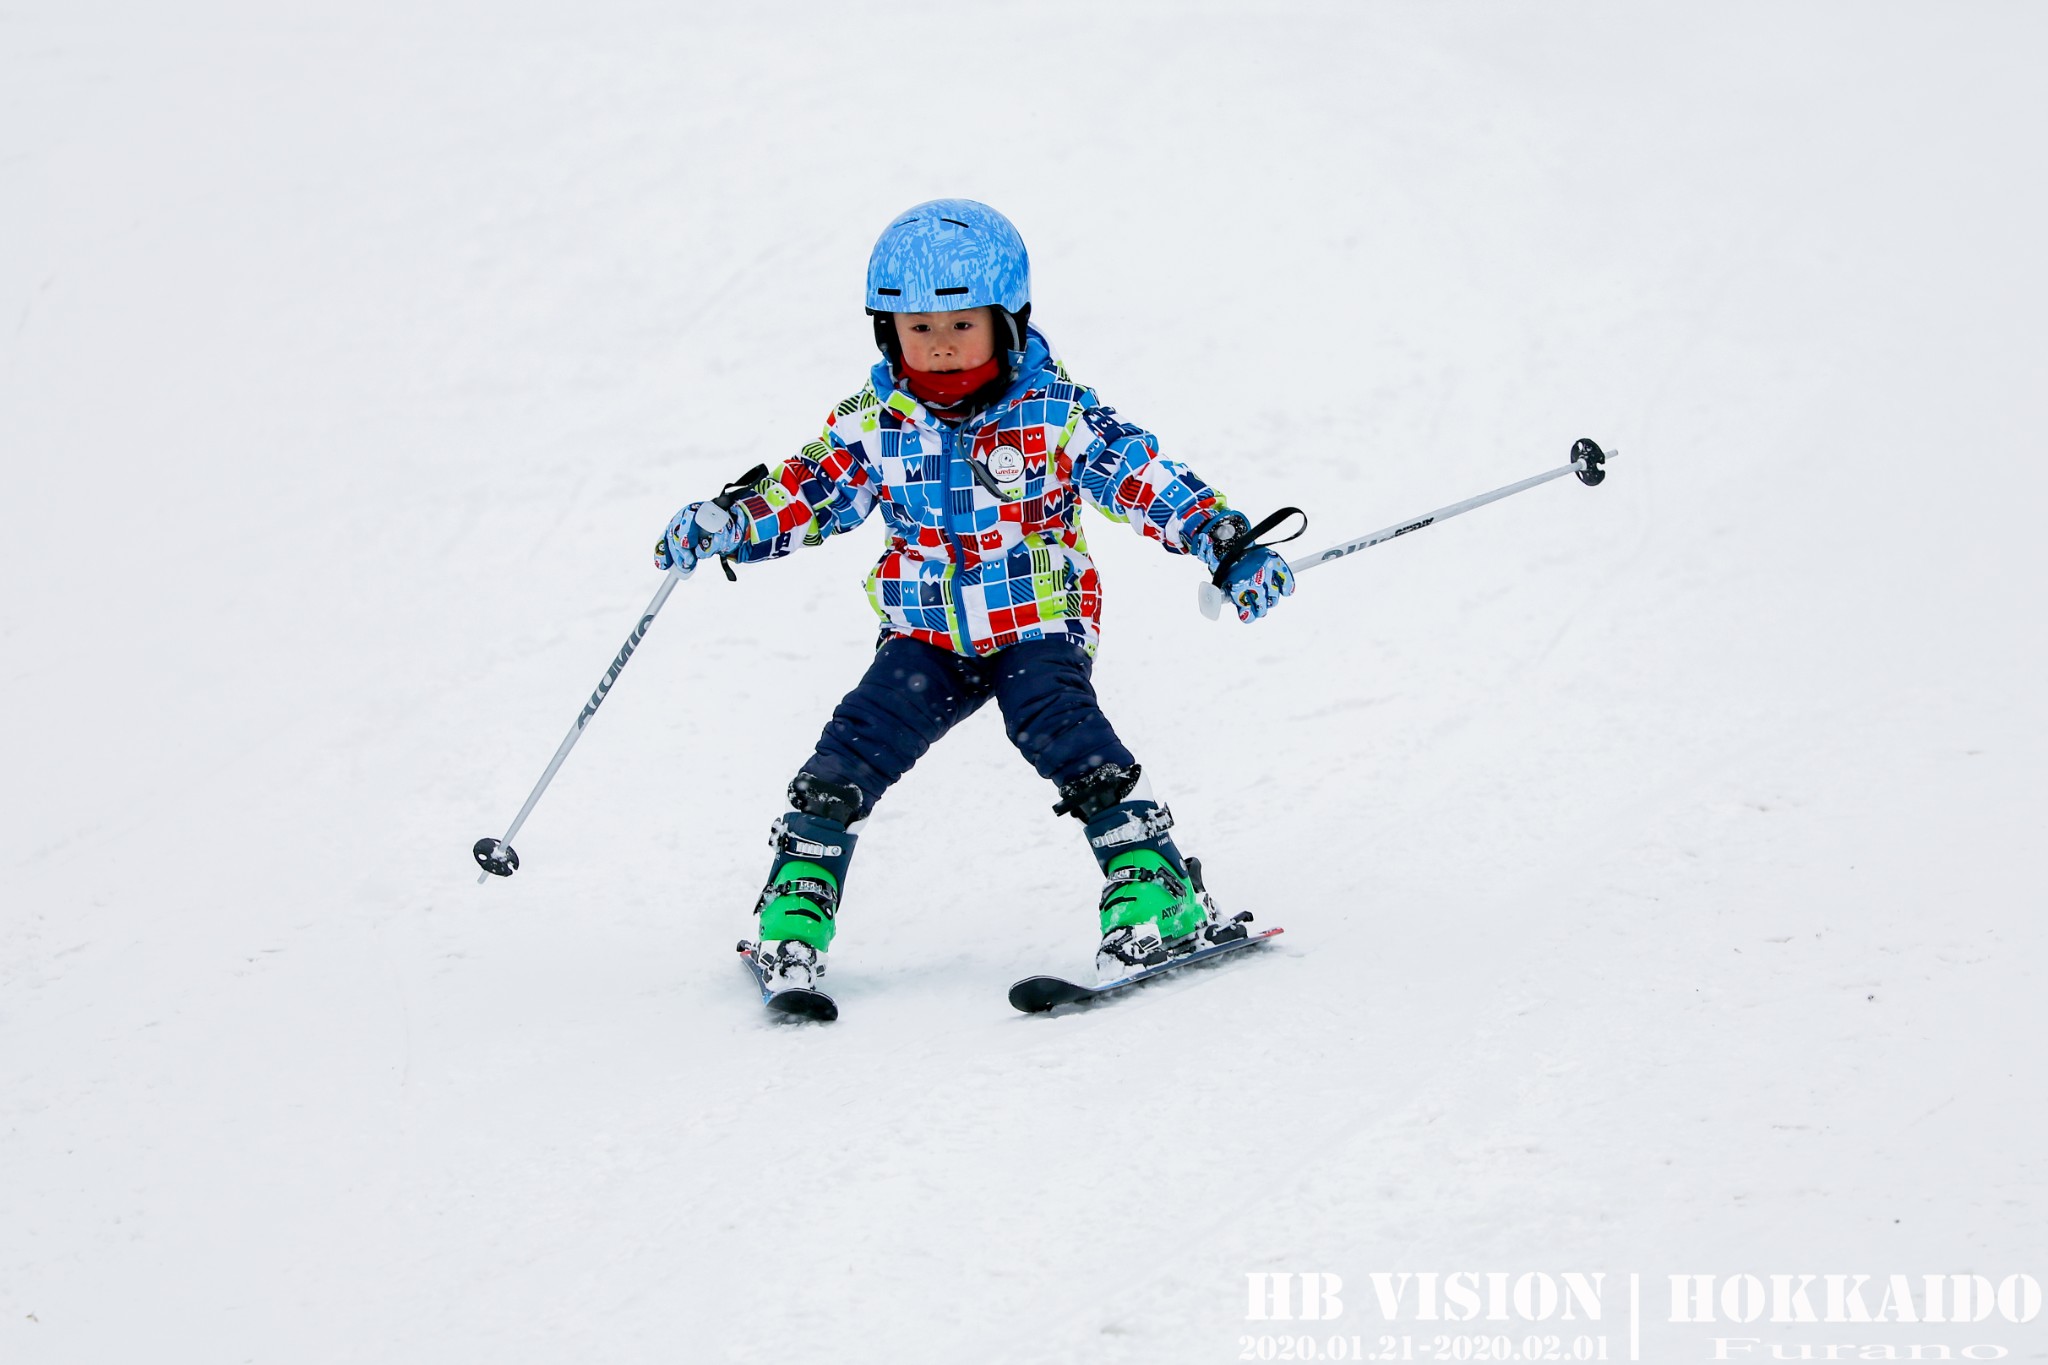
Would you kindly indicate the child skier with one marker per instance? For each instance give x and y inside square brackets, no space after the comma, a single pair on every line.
[980,450]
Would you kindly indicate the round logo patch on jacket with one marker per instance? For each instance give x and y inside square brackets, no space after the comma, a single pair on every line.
[1006,463]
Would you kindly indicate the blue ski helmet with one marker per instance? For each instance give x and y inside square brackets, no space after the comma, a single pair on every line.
[946,254]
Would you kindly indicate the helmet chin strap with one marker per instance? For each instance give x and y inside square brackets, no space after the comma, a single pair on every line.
[1017,322]
[885,338]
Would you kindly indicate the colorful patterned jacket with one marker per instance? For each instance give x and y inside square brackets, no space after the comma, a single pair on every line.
[984,539]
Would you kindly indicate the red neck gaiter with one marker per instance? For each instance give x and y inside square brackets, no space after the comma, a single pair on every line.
[942,389]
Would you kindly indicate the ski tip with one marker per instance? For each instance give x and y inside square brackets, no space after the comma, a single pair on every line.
[1042,994]
[1037,994]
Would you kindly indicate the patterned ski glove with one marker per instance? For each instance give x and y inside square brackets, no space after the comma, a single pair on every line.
[1257,581]
[701,530]
[1254,576]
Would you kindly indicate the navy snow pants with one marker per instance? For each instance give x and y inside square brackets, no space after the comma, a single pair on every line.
[914,692]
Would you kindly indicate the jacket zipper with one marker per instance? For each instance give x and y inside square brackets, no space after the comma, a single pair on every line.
[949,447]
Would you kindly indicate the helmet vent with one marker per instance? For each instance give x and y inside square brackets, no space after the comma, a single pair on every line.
[951,289]
[892,293]
[954,221]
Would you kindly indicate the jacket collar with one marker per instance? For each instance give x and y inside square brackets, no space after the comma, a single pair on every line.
[1027,368]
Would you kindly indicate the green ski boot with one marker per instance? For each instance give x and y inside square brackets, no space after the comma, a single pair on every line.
[1153,902]
[799,907]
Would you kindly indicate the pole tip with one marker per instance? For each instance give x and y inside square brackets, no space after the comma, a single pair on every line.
[496,857]
[1591,460]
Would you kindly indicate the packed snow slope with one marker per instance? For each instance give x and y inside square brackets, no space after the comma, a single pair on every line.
[1660,863]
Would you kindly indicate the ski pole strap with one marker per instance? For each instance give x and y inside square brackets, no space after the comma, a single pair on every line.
[731,494]
[1241,545]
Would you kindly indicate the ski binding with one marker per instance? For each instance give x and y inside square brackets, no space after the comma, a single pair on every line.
[798,1002]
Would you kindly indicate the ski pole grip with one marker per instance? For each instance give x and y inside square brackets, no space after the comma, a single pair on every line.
[1242,546]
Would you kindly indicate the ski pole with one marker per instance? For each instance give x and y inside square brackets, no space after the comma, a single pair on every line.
[495,856]
[1588,461]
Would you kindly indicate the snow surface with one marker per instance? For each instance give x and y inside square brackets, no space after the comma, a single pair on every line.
[1658,862]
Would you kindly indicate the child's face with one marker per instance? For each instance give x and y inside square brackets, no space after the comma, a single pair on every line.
[957,340]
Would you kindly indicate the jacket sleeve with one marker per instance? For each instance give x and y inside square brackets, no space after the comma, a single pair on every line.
[825,488]
[1119,469]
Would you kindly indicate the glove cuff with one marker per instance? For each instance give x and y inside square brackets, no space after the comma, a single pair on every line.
[1222,532]
[730,531]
